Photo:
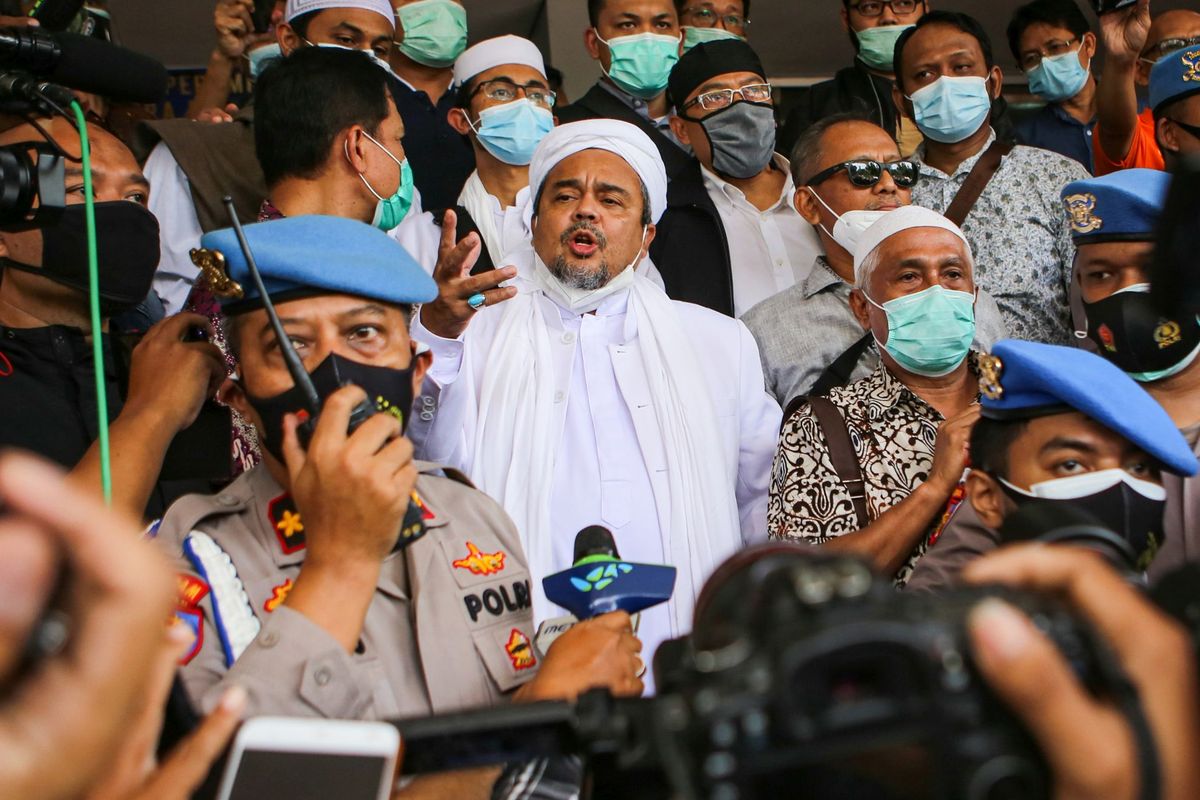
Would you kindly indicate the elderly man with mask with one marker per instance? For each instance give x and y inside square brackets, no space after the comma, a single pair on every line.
[591,397]
[730,237]
[1004,197]
[871,468]
[848,172]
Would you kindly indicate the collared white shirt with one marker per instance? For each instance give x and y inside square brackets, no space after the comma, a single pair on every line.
[769,251]
[421,236]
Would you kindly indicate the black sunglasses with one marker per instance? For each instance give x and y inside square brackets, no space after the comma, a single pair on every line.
[865,172]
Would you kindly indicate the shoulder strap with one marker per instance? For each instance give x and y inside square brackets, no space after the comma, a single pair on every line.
[978,179]
[464,226]
[841,453]
[838,373]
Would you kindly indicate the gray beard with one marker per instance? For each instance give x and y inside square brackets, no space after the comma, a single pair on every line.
[579,278]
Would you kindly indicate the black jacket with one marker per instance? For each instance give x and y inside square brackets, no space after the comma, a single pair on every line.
[856,88]
[690,248]
[599,103]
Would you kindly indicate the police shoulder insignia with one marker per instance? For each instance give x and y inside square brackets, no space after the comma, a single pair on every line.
[214,275]
[278,595]
[1082,209]
[1191,60]
[990,370]
[519,650]
[285,521]
[480,563]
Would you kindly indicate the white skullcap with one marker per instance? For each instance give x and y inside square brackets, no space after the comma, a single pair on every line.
[621,138]
[893,222]
[295,8]
[495,53]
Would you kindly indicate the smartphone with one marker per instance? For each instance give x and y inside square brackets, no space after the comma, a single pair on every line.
[311,759]
[1105,6]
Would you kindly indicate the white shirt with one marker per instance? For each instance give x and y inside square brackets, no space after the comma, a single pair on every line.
[421,236]
[604,474]
[179,227]
[769,251]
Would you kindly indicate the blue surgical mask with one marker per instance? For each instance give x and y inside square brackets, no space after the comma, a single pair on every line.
[389,211]
[1058,77]
[693,36]
[877,46]
[511,132]
[641,64]
[951,109]
[435,32]
[929,332]
[263,57]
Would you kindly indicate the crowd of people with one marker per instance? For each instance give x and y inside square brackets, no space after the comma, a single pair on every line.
[881,318]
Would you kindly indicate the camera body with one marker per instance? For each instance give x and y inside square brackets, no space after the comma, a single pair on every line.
[833,676]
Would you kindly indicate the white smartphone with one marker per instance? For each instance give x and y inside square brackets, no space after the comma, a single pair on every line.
[311,759]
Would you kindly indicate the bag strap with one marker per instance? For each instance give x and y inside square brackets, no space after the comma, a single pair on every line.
[841,453]
[463,226]
[977,180]
[838,373]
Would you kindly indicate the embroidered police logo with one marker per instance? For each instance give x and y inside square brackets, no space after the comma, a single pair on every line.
[1191,60]
[213,274]
[285,520]
[1167,333]
[1105,335]
[990,370]
[520,652]
[480,563]
[1081,207]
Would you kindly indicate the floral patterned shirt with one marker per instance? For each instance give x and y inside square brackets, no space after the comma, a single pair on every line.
[1020,235]
[893,432]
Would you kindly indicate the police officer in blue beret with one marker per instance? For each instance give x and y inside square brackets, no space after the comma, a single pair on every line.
[1061,425]
[1175,103]
[291,577]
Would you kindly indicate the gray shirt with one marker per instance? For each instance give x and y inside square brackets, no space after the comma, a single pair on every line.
[1020,235]
[803,330]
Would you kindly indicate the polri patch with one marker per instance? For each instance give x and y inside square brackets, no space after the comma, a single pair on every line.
[520,651]
[193,618]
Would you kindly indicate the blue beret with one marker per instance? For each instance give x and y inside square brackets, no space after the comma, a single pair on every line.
[1022,380]
[1122,206]
[311,255]
[1175,76]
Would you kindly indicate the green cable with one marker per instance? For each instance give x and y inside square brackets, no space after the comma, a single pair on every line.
[89,211]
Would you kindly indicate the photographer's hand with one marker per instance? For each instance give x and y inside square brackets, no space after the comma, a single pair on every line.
[1088,743]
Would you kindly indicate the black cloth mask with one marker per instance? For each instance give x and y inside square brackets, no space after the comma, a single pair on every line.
[1131,332]
[742,138]
[389,390]
[127,253]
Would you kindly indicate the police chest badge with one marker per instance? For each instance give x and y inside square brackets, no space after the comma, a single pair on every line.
[520,651]
[1082,209]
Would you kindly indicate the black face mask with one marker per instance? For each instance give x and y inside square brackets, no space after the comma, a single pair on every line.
[1133,334]
[389,390]
[1121,508]
[127,252]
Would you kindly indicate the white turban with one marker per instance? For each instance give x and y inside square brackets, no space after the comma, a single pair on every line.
[295,8]
[621,138]
[497,52]
[893,222]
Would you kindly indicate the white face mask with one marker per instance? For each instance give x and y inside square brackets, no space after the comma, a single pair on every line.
[581,301]
[849,226]
[1088,484]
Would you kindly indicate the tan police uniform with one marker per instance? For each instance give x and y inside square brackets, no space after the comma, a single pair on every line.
[450,626]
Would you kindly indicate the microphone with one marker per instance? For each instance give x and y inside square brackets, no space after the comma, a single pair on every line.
[1063,523]
[84,63]
[24,90]
[600,582]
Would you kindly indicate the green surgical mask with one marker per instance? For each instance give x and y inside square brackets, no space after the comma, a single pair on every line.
[693,36]
[641,64]
[390,211]
[435,32]
[929,332]
[877,46]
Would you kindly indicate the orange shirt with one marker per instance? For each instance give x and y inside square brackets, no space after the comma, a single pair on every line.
[1143,152]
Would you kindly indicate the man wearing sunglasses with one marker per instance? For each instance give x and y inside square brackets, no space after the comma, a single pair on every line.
[848,173]
[1125,133]
[730,238]
[866,85]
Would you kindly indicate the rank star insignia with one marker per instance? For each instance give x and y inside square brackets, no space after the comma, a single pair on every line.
[520,652]
[285,520]
[480,563]
[278,596]
[1081,208]
[990,370]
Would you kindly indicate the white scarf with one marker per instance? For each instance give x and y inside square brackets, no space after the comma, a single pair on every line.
[516,445]
[481,205]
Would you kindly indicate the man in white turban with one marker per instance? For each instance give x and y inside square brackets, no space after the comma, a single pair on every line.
[583,395]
